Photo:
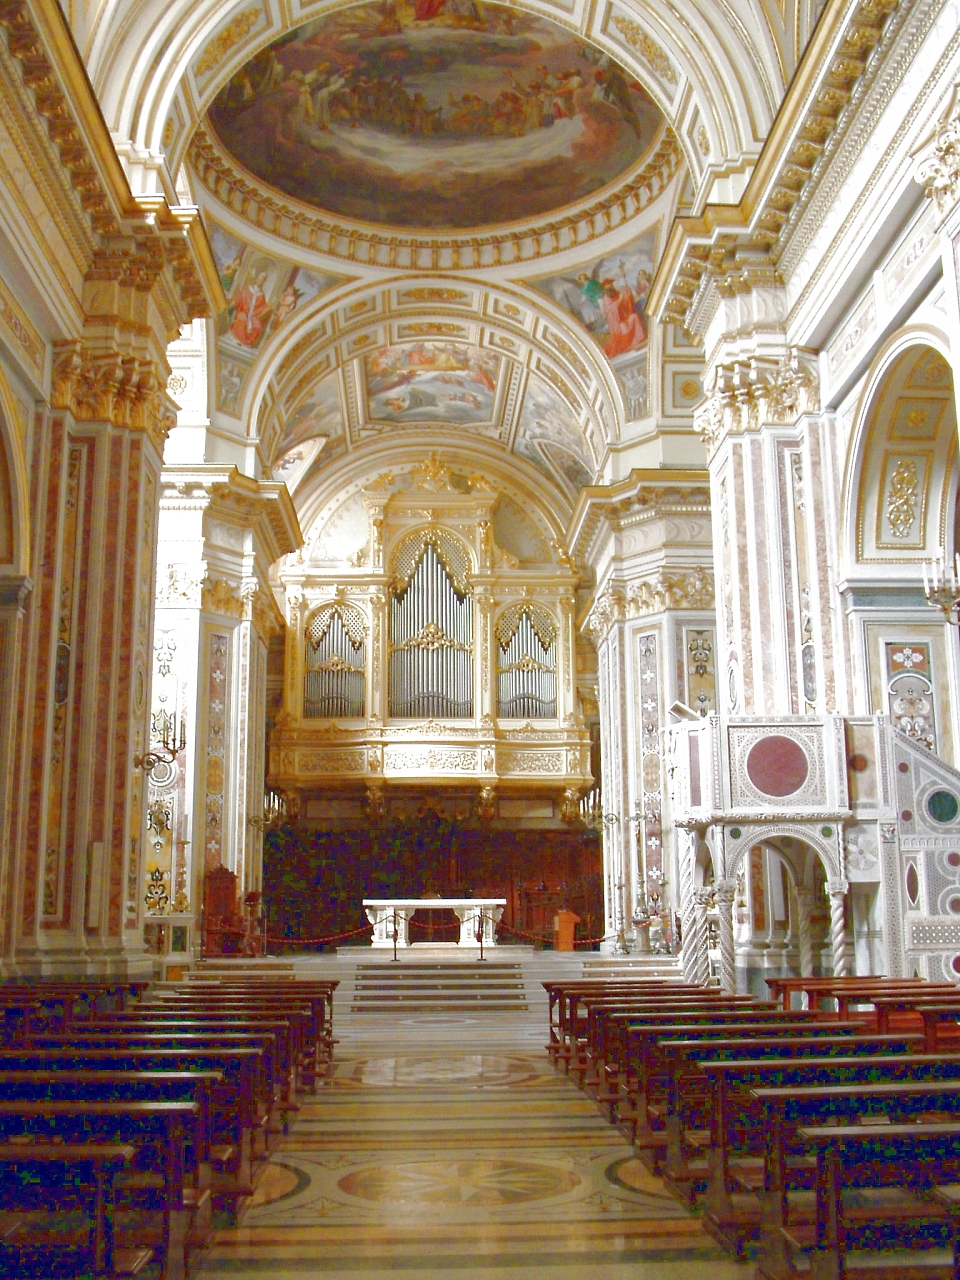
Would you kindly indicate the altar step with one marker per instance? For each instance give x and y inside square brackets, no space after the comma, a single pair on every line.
[486,986]
[632,967]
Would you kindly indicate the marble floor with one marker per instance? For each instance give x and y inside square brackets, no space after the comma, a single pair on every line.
[447,1145]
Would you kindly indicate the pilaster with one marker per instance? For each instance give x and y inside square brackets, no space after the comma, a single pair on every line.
[216,615]
[651,619]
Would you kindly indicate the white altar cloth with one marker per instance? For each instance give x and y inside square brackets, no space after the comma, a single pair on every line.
[383,913]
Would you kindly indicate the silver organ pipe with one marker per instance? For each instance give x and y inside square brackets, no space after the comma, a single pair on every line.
[431,638]
[334,663]
[526,667]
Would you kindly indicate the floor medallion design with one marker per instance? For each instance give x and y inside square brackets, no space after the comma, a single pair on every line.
[451,1182]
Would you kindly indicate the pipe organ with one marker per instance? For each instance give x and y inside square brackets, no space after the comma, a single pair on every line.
[432,656]
[431,639]
[334,661]
[526,663]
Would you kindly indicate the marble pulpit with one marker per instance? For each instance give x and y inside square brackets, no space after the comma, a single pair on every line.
[384,913]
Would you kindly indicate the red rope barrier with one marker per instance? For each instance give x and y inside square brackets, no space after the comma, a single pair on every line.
[417,924]
[303,942]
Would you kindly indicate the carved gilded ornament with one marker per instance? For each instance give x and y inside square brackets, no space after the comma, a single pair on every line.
[608,609]
[749,394]
[741,259]
[125,391]
[178,587]
[902,498]
[227,39]
[683,589]
[263,614]
[434,295]
[647,49]
[357,242]
[691,590]
[938,170]
[486,806]
[220,597]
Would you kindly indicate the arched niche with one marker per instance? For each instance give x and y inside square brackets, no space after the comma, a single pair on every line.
[899,511]
[14,510]
[900,491]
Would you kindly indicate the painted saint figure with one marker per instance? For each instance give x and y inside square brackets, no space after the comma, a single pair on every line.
[620,312]
[251,310]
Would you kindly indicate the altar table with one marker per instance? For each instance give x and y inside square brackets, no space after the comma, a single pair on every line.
[383,912]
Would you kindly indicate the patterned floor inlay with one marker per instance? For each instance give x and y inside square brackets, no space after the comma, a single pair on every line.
[423,1158]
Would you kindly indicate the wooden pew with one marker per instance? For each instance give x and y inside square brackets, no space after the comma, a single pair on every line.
[588,1013]
[683,1110]
[574,1016]
[239,1108]
[847,991]
[41,1003]
[316,1044]
[608,1034]
[789,1108]
[747,1158]
[558,992]
[901,1162]
[288,1026]
[184,1213]
[646,1071]
[274,1087]
[32,1177]
[316,990]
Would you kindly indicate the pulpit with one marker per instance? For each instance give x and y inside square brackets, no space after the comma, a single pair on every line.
[564,927]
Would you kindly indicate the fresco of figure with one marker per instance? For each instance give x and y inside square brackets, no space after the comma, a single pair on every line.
[250,311]
[435,113]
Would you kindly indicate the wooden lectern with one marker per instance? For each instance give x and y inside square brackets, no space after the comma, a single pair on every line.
[564,926]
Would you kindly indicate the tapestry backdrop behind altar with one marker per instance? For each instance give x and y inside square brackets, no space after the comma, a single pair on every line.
[314,881]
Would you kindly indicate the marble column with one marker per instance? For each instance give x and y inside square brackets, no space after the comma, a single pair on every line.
[698,968]
[14,592]
[725,895]
[837,891]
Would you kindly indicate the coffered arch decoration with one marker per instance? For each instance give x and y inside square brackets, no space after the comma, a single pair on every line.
[526,525]
[900,486]
[159,68]
[466,382]
[510,336]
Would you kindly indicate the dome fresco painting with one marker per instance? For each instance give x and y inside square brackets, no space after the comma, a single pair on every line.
[438,114]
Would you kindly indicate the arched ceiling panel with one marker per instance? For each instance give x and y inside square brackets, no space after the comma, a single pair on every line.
[530,517]
[716,70]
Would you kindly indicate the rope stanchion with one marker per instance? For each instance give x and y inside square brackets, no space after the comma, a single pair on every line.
[305,942]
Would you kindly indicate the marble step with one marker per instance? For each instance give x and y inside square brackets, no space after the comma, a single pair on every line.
[439,1006]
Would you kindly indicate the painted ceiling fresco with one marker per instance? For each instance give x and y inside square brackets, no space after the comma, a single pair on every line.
[319,416]
[262,292]
[448,384]
[608,296]
[548,437]
[431,382]
[435,114]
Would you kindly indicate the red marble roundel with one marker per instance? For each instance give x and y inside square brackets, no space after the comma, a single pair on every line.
[777,766]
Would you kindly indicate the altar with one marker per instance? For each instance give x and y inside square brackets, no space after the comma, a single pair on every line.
[383,913]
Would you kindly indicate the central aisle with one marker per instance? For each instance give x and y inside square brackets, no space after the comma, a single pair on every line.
[447,1145]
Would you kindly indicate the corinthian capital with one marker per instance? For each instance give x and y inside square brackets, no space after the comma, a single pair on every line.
[937,166]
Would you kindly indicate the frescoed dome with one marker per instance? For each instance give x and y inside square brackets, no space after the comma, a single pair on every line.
[441,114]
